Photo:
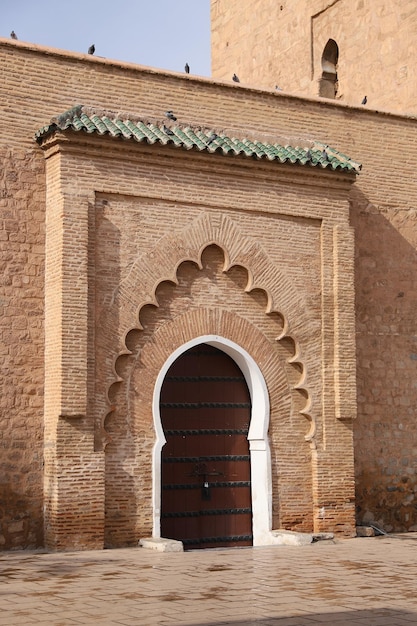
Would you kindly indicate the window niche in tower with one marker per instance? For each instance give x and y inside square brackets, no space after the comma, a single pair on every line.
[328,82]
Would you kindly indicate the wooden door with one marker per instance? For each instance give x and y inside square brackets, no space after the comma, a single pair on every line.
[205,412]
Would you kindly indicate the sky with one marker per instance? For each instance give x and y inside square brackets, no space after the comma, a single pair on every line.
[160,33]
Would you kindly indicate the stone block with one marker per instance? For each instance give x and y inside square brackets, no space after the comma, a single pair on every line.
[323,536]
[290,538]
[16,527]
[160,544]
[365,531]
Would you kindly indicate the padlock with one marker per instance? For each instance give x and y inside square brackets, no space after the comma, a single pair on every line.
[205,491]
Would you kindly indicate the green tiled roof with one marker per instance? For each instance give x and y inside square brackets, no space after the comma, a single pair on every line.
[87,120]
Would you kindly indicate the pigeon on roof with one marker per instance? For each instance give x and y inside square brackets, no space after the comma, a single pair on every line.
[13,35]
[91,49]
[170,115]
[365,100]
[167,130]
[212,138]
[235,78]
[187,68]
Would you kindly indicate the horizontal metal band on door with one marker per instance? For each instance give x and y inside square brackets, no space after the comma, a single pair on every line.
[208,512]
[198,379]
[208,431]
[202,459]
[231,484]
[205,405]
[227,539]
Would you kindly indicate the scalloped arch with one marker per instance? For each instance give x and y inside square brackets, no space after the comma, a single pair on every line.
[161,264]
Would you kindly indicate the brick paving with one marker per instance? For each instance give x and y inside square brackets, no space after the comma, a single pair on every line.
[355,582]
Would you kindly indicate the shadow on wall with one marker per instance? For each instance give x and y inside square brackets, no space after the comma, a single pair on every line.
[386,335]
[121,497]
[18,529]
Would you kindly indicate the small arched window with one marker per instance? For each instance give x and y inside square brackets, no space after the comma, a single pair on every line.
[328,81]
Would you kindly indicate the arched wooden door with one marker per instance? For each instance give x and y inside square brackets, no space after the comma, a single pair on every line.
[205,412]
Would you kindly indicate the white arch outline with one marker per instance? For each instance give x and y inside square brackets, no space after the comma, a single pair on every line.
[260,457]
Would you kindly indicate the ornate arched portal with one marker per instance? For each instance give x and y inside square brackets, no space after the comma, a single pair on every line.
[260,461]
[135,288]
[270,363]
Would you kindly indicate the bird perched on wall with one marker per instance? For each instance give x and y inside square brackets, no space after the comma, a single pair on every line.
[167,130]
[187,68]
[212,138]
[309,155]
[91,49]
[365,100]
[235,78]
[13,35]
[324,155]
[170,115]
[278,88]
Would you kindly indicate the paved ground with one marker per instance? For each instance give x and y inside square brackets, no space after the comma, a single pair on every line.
[367,582]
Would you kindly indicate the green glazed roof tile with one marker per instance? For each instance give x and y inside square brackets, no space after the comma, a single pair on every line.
[110,127]
[99,124]
[83,119]
[198,140]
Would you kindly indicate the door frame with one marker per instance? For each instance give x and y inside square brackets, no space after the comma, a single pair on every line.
[260,457]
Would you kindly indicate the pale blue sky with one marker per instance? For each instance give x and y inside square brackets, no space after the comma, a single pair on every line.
[160,33]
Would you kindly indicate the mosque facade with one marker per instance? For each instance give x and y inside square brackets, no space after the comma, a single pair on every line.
[208,322]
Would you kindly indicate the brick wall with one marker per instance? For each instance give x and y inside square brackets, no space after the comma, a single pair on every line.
[22,212]
[269,43]
[382,210]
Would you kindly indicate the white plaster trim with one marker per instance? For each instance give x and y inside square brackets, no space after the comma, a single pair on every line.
[260,458]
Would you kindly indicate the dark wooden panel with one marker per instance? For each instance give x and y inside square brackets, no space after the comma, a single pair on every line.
[205,412]
[178,446]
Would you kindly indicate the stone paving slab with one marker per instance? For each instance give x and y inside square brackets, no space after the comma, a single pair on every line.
[368,581]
